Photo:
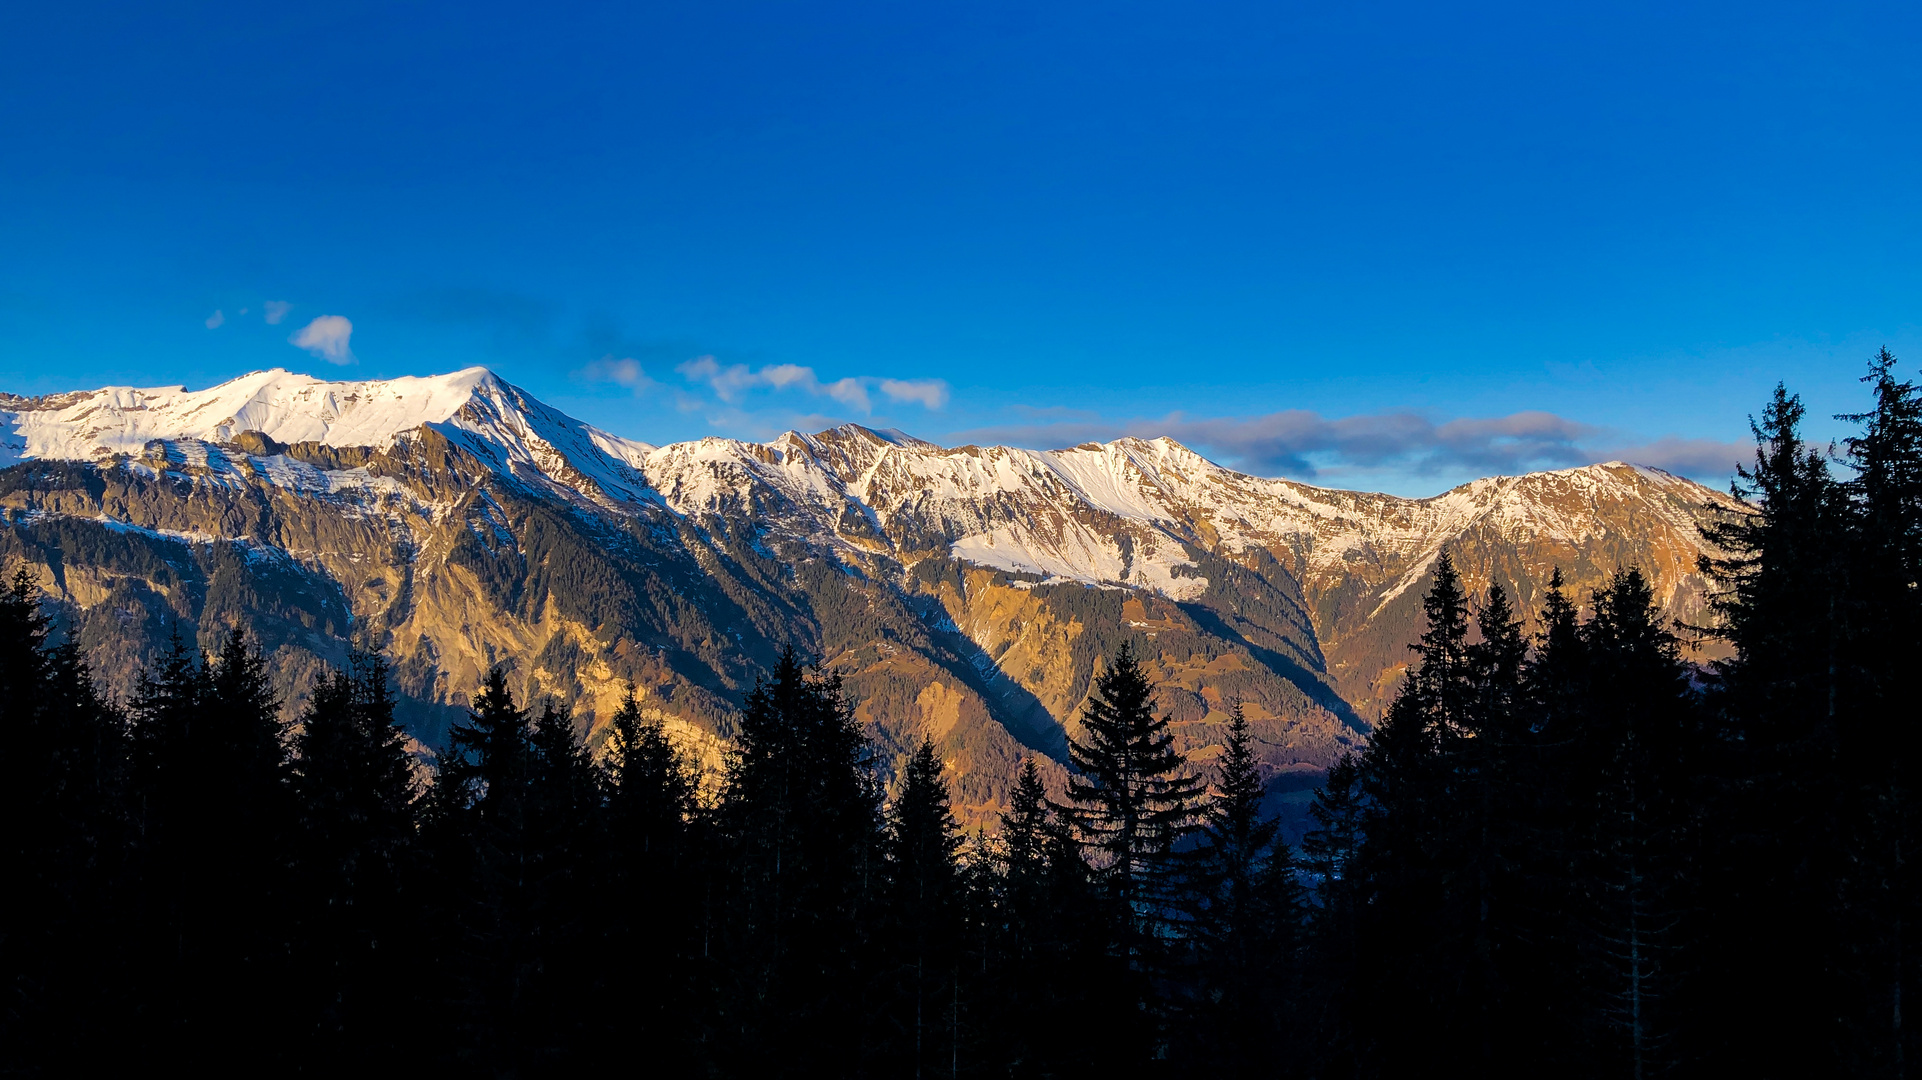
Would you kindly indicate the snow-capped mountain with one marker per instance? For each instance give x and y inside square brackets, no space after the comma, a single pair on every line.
[505,427]
[456,522]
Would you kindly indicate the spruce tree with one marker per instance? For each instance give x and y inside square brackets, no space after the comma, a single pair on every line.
[211,775]
[1027,826]
[1227,869]
[1057,996]
[1330,854]
[1244,911]
[923,914]
[656,883]
[1782,605]
[354,786]
[1638,763]
[63,841]
[651,790]
[1880,748]
[563,911]
[1488,761]
[1133,800]
[1413,937]
[481,839]
[801,824]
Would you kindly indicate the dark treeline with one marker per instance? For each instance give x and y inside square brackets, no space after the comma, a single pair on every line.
[1564,852]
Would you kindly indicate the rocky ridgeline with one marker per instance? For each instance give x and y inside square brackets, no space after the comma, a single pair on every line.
[456,523]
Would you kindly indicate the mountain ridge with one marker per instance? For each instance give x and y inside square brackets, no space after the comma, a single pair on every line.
[456,522]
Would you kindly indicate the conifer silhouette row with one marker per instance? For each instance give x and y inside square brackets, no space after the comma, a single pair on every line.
[1565,851]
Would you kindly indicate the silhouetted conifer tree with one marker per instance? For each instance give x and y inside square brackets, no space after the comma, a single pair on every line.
[1781,700]
[488,864]
[354,786]
[210,773]
[1057,1001]
[1408,961]
[800,816]
[923,914]
[1880,746]
[1132,801]
[1244,911]
[63,841]
[1639,759]
[1330,854]
[656,884]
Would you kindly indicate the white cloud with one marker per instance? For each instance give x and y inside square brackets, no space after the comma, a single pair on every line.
[621,371]
[327,337]
[851,393]
[275,311]
[214,320]
[931,393]
[730,381]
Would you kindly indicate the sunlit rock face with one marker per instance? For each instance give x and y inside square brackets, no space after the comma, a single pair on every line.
[967,594]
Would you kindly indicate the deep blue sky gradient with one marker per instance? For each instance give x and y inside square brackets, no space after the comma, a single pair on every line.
[1306,238]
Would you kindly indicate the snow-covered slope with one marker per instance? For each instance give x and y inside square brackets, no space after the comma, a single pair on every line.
[502,425]
[1129,513]
[1125,512]
[942,580]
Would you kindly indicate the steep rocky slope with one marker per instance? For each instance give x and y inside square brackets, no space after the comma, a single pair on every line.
[967,593]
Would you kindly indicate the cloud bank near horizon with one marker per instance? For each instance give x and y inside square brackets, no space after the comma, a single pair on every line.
[1305,445]
[1402,449]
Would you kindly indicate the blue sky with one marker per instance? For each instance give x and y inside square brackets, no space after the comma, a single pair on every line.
[1387,246]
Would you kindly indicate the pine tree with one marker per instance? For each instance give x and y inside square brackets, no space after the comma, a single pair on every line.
[656,882]
[1550,804]
[1047,1007]
[800,820]
[1782,698]
[1237,840]
[1636,767]
[1027,827]
[211,773]
[354,785]
[1487,759]
[1329,849]
[63,839]
[1414,936]
[651,793]
[1880,749]
[923,910]
[1330,854]
[481,838]
[564,856]
[1133,801]
[1244,907]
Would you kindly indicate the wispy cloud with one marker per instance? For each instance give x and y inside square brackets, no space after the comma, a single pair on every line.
[1306,445]
[732,382]
[622,371]
[929,393]
[327,337]
[1703,459]
[215,320]
[275,310]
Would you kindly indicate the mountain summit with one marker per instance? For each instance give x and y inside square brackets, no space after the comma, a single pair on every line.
[457,523]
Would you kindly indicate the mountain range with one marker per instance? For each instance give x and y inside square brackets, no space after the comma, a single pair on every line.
[968,594]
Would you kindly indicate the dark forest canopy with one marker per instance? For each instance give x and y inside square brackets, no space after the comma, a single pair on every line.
[1570,852]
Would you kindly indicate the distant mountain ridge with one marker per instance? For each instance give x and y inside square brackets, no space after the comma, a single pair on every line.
[456,522]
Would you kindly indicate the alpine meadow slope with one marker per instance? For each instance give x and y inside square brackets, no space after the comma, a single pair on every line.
[455,523]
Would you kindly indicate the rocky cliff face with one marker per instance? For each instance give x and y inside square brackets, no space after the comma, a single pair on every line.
[969,593]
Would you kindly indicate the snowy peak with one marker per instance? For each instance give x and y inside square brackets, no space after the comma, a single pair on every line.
[474,408]
[280,404]
[1128,512]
